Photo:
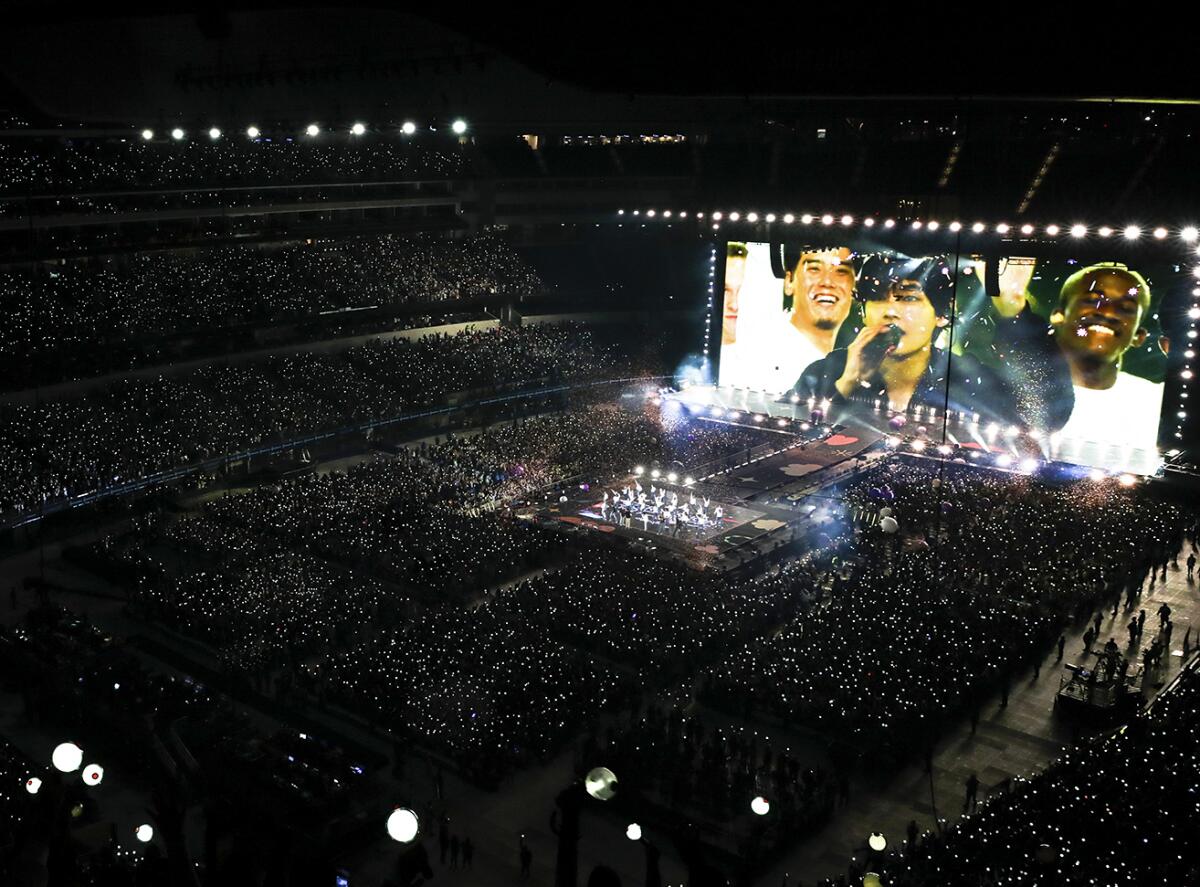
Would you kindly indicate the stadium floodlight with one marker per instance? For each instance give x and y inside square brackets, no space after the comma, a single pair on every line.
[312,130]
[1189,234]
[978,227]
[868,222]
[214,133]
[1002,228]
[806,219]
[177,133]
[1027,229]
[1132,232]
[916,225]
[847,220]
[716,216]
[956,226]
[751,217]
[408,127]
[770,218]
[458,127]
[1160,233]
[788,218]
[889,223]
[735,216]
[358,129]
[252,131]
[827,219]
[147,134]
[1052,230]
[932,225]
[1104,231]
[1079,230]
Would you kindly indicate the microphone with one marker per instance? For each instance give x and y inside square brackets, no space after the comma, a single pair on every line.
[877,348]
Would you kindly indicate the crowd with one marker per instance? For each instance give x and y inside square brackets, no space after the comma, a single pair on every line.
[36,166]
[148,307]
[1119,810]
[710,773]
[136,427]
[987,570]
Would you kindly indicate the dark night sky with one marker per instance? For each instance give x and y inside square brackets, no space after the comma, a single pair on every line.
[868,48]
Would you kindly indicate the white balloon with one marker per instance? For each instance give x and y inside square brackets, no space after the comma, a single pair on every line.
[402,825]
[600,783]
[67,757]
[93,774]
[889,525]
[877,842]
[760,805]
[144,833]
[32,784]
[634,832]
[886,512]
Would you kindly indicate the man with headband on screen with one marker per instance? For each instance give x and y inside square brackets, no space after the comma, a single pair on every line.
[1100,313]
[893,358]
[819,285]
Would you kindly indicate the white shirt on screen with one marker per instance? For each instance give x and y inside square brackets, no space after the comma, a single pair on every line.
[1126,414]
[786,355]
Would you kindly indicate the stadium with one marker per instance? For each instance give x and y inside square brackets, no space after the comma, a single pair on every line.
[450,446]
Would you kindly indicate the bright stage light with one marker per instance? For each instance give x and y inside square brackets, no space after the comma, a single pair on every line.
[918,445]
[458,127]
[654,473]
[1127,480]
[1004,460]
[688,481]
[672,477]
[1029,465]
[93,774]
[893,442]
[177,133]
[144,833]
[312,130]
[633,832]
[1096,474]
[639,470]
[358,129]
[1132,232]
[67,757]
[147,134]
[760,805]
[945,449]
[214,133]
[402,825]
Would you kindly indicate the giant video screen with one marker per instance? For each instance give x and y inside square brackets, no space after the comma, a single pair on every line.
[1062,346]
